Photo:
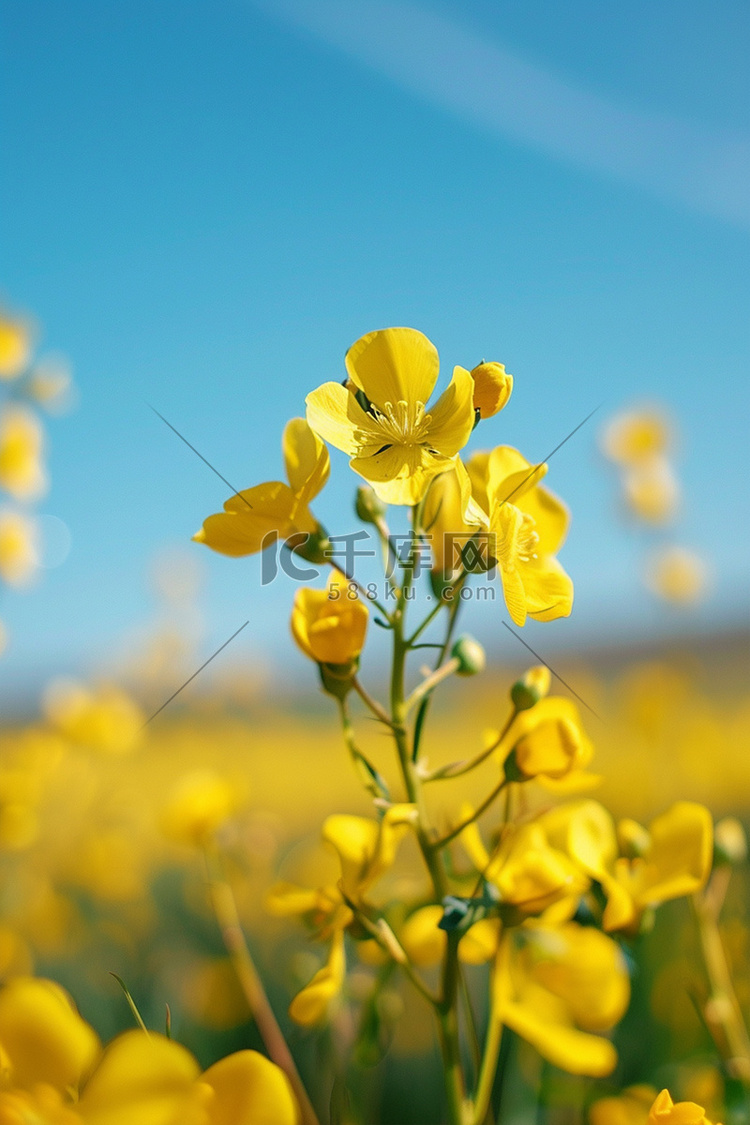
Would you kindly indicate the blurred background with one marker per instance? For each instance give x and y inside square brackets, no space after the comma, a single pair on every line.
[203,206]
[206,204]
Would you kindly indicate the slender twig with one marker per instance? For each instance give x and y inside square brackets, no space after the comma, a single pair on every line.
[470,819]
[227,916]
[432,681]
[458,769]
[378,711]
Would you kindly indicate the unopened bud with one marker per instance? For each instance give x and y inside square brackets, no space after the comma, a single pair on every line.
[369,507]
[492,388]
[532,687]
[730,841]
[470,656]
[336,679]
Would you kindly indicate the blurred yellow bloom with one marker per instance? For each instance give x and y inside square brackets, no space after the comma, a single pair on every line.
[677,575]
[548,740]
[529,873]
[18,547]
[380,418]
[43,1037]
[311,1005]
[665,1112]
[493,386]
[103,718]
[424,942]
[674,857]
[249,1090]
[258,516]
[677,863]
[630,1108]
[200,803]
[557,987]
[50,384]
[528,525]
[651,490]
[15,345]
[366,848]
[21,439]
[56,1074]
[329,625]
[635,436]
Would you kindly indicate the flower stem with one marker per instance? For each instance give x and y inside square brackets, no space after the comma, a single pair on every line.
[225,910]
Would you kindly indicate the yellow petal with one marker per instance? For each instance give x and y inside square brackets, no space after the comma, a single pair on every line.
[310,1006]
[43,1036]
[510,476]
[479,943]
[21,439]
[401,474]
[285,899]
[550,515]
[250,1090]
[335,415]
[393,365]
[587,970]
[478,468]
[306,459]
[679,861]
[251,520]
[144,1078]
[515,595]
[16,339]
[422,939]
[328,628]
[547,588]
[452,416]
[541,1024]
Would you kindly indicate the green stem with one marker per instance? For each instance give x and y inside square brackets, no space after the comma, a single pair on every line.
[491,1047]
[425,704]
[457,769]
[470,819]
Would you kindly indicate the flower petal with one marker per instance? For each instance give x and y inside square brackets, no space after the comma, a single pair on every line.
[550,515]
[548,589]
[306,459]
[401,474]
[250,1090]
[251,517]
[452,416]
[393,365]
[335,415]
[43,1037]
[510,475]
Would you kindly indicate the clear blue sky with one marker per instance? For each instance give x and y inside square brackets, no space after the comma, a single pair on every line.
[206,202]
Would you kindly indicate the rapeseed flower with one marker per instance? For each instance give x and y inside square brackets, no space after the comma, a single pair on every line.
[329,625]
[380,418]
[16,338]
[22,472]
[258,516]
[665,1112]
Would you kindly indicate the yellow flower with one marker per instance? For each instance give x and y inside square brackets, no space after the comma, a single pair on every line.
[256,517]
[21,470]
[528,525]
[199,805]
[493,386]
[15,345]
[651,490]
[380,418]
[424,942]
[665,1112]
[18,548]
[329,625]
[101,718]
[677,575]
[558,985]
[56,1074]
[677,863]
[530,874]
[636,436]
[675,855]
[548,740]
[366,848]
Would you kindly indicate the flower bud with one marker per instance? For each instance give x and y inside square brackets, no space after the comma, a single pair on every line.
[492,388]
[470,656]
[368,505]
[532,687]
[329,625]
[730,841]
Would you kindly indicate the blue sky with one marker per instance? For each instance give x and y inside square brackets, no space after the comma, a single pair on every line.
[205,203]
